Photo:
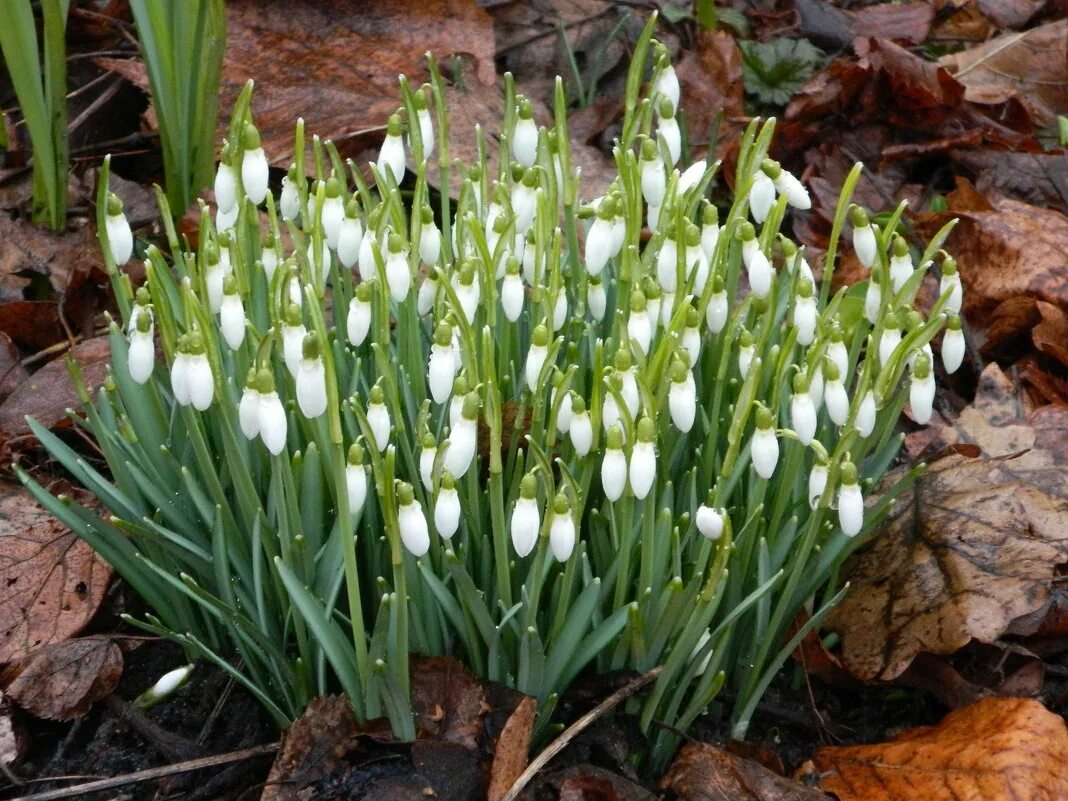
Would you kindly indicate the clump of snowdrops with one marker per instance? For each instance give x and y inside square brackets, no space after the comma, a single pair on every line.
[540,431]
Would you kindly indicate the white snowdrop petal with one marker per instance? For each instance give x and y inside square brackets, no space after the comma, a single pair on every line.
[447,513]
[642,468]
[379,423]
[248,413]
[272,423]
[764,451]
[614,474]
[141,356]
[921,398]
[803,417]
[581,433]
[460,450]
[562,536]
[525,142]
[953,349]
[709,522]
[441,372]
[866,414]
[358,322]
[355,487]
[255,174]
[225,187]
[761,196]
[201,382]
[850,509]
[526,521]
[120,237]
[865,244]
[414,531]
[311,387]
[232,320]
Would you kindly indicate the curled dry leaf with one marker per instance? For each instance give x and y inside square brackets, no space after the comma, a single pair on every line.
[51,582]
[448,700]
[702,772]
[997,749]
[969,549]
[63,680]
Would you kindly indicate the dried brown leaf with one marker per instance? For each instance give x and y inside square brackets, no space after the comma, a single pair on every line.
[12,373]
[448,701]
[702,772]
[13,739]
[908,22]
[710,76]
[1051,334]
[51,582]
[969,549]
[1040,179]
[63,680]
[313,747]
[997,749]
[511,752]
[28,250]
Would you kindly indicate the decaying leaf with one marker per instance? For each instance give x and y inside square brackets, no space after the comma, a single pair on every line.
[970,549]
[13,739]
[12,373]
[313,747]
[51,582]
[513,746]
[710,76]
[63,680]
[702,772]
[448,700]
[997,749]
[48,393]
[65,260]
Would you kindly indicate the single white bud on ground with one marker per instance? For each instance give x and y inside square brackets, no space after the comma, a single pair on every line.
[355,480]
[525,135]
[447,508]
[378,418]
[358,319]
[866,413]
[581,428]
[443,365]
[817,483]
[682,397]
[225,185]
[460,446]
[864,241]
[272,423]
[391,156]
[953,345]
[536,356]
[922,390]
[289,199]
[254,169]
[248,408]
[803,415]
[614,466]
[710,520]
[850,502]
[562,533]
[764,446]
[311,379]
[414,531]
[526,517]
[643,459]
[167,685]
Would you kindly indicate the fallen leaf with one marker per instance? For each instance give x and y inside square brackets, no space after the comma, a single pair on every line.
[1040,179]
[62,681]
[313,747]
[447,699]
[1050,335]
[32,324]
[588,783]
[997,749]
[1031,66]
[924,93]
[13,739]
[12,373]
[48,393]
[969,549]
[907,22]
[64,260]
[512,749]
[51,582]
[1010,13]
[702,772]
[710,76]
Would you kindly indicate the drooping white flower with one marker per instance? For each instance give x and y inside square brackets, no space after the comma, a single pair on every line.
[428,293]
[562,532]
[141,354]
[289,199]
[746,352]
[654,179]
[525,200]
[817,483]
[667,261]
[950,282]
[639,327]
[709,230]
[272,422]
[850,502]
[365,260]
[614,466]
[837,351]
[526,517]
[596,298]
[355,480]
[900,264]
[358,319]
[890,339]
[786,183]
[866,413]
[443,365]
[864,241]
[254,169]
[226,220]
[805,315]
[468,290]
[682,397]
[447,508]
[691,335]
[333,213]
[667,128]
[391,156]
[922,390]
[666,84]
[764,446]
[564,412]
[599,239]
[873,299]
[460,446]
[709,520]
[512,293]
[525,135]
[293,333]
[536,356]
[643,460]
[120,237]
[428,453]
[350,237]
[425,120]
[198,375]
[718,309]
[761,196]
[429,238]
[802,411]
[580,428]
[414,531]
[378,418]
[311,379]
[225,184]
[692,176]
[559,309]
[398,275]
[248,408]
[953,345]
[232,314]
[835,397]
[269,257]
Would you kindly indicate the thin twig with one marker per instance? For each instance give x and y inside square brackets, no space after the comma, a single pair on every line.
[572,731]
[80,790]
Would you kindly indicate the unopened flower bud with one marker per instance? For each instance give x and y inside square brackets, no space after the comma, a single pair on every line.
[414,532]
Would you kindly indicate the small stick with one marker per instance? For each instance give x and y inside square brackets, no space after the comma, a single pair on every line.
[79,790]
[572,731]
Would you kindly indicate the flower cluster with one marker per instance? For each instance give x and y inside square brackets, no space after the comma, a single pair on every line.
[625,431]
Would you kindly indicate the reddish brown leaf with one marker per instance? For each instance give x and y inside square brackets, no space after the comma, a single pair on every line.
[969,550]
[313,747]
[48,393]
[12,373]
[1040,179]
[702,772]
[63,680]
[1051,333]
[51,582]
[909,22]
[13,739]
[711,79]
[28,250]
[513,747]
[997,749]
[1010,13]
[448,700]
[33,324]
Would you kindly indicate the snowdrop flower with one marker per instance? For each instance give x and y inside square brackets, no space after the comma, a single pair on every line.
[414,532]
[467,289]
[536,356]
[428,452]
[120,237]
[366,262]
[667,127]
[428,293]
[232,314]
[817,482]
[198,374]
[355,480]
[682,396]
[666,83]
[350,235]
[426,124]
[599,242]
[764,447]
[170,682]
[837,351]
[225,183]
[628,380]
[692,176]
[691,335]
[667,264]
[717,311]
[398,276]
[653,177]
[271,416]
[596,298]
[460,389]
[610,415]
[460,446]
[226,220]
[761,196]
[429,238]
[311,379]
[529,259]
[581,428]
[378,418]
[248,408]
[900,264]
[524,200]
[639,328]
[850,502]
[873,298]
[864,242]
[141,355]
[866,412]
[562,529]
[804,316]
[559,309]
[289,199]
[643,459]
[214,277]
[697,266]
[447,508]
[269,256]
[391,156]
[358,319]
[443,366]
[835,397]
[333,212]
[564,411]
[816,384]
[709,230]
[525,135]
[512,292]
[802,411]
[756,263]
[922,390]
[254,170]
[953,344]
[614,466]
[746,352]
[950,282]
[526,518]
[890,339]
[786,183]
[293,333]
[709,519]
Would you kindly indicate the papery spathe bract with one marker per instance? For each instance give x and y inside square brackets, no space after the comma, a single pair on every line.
[526,517]
[414,531]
